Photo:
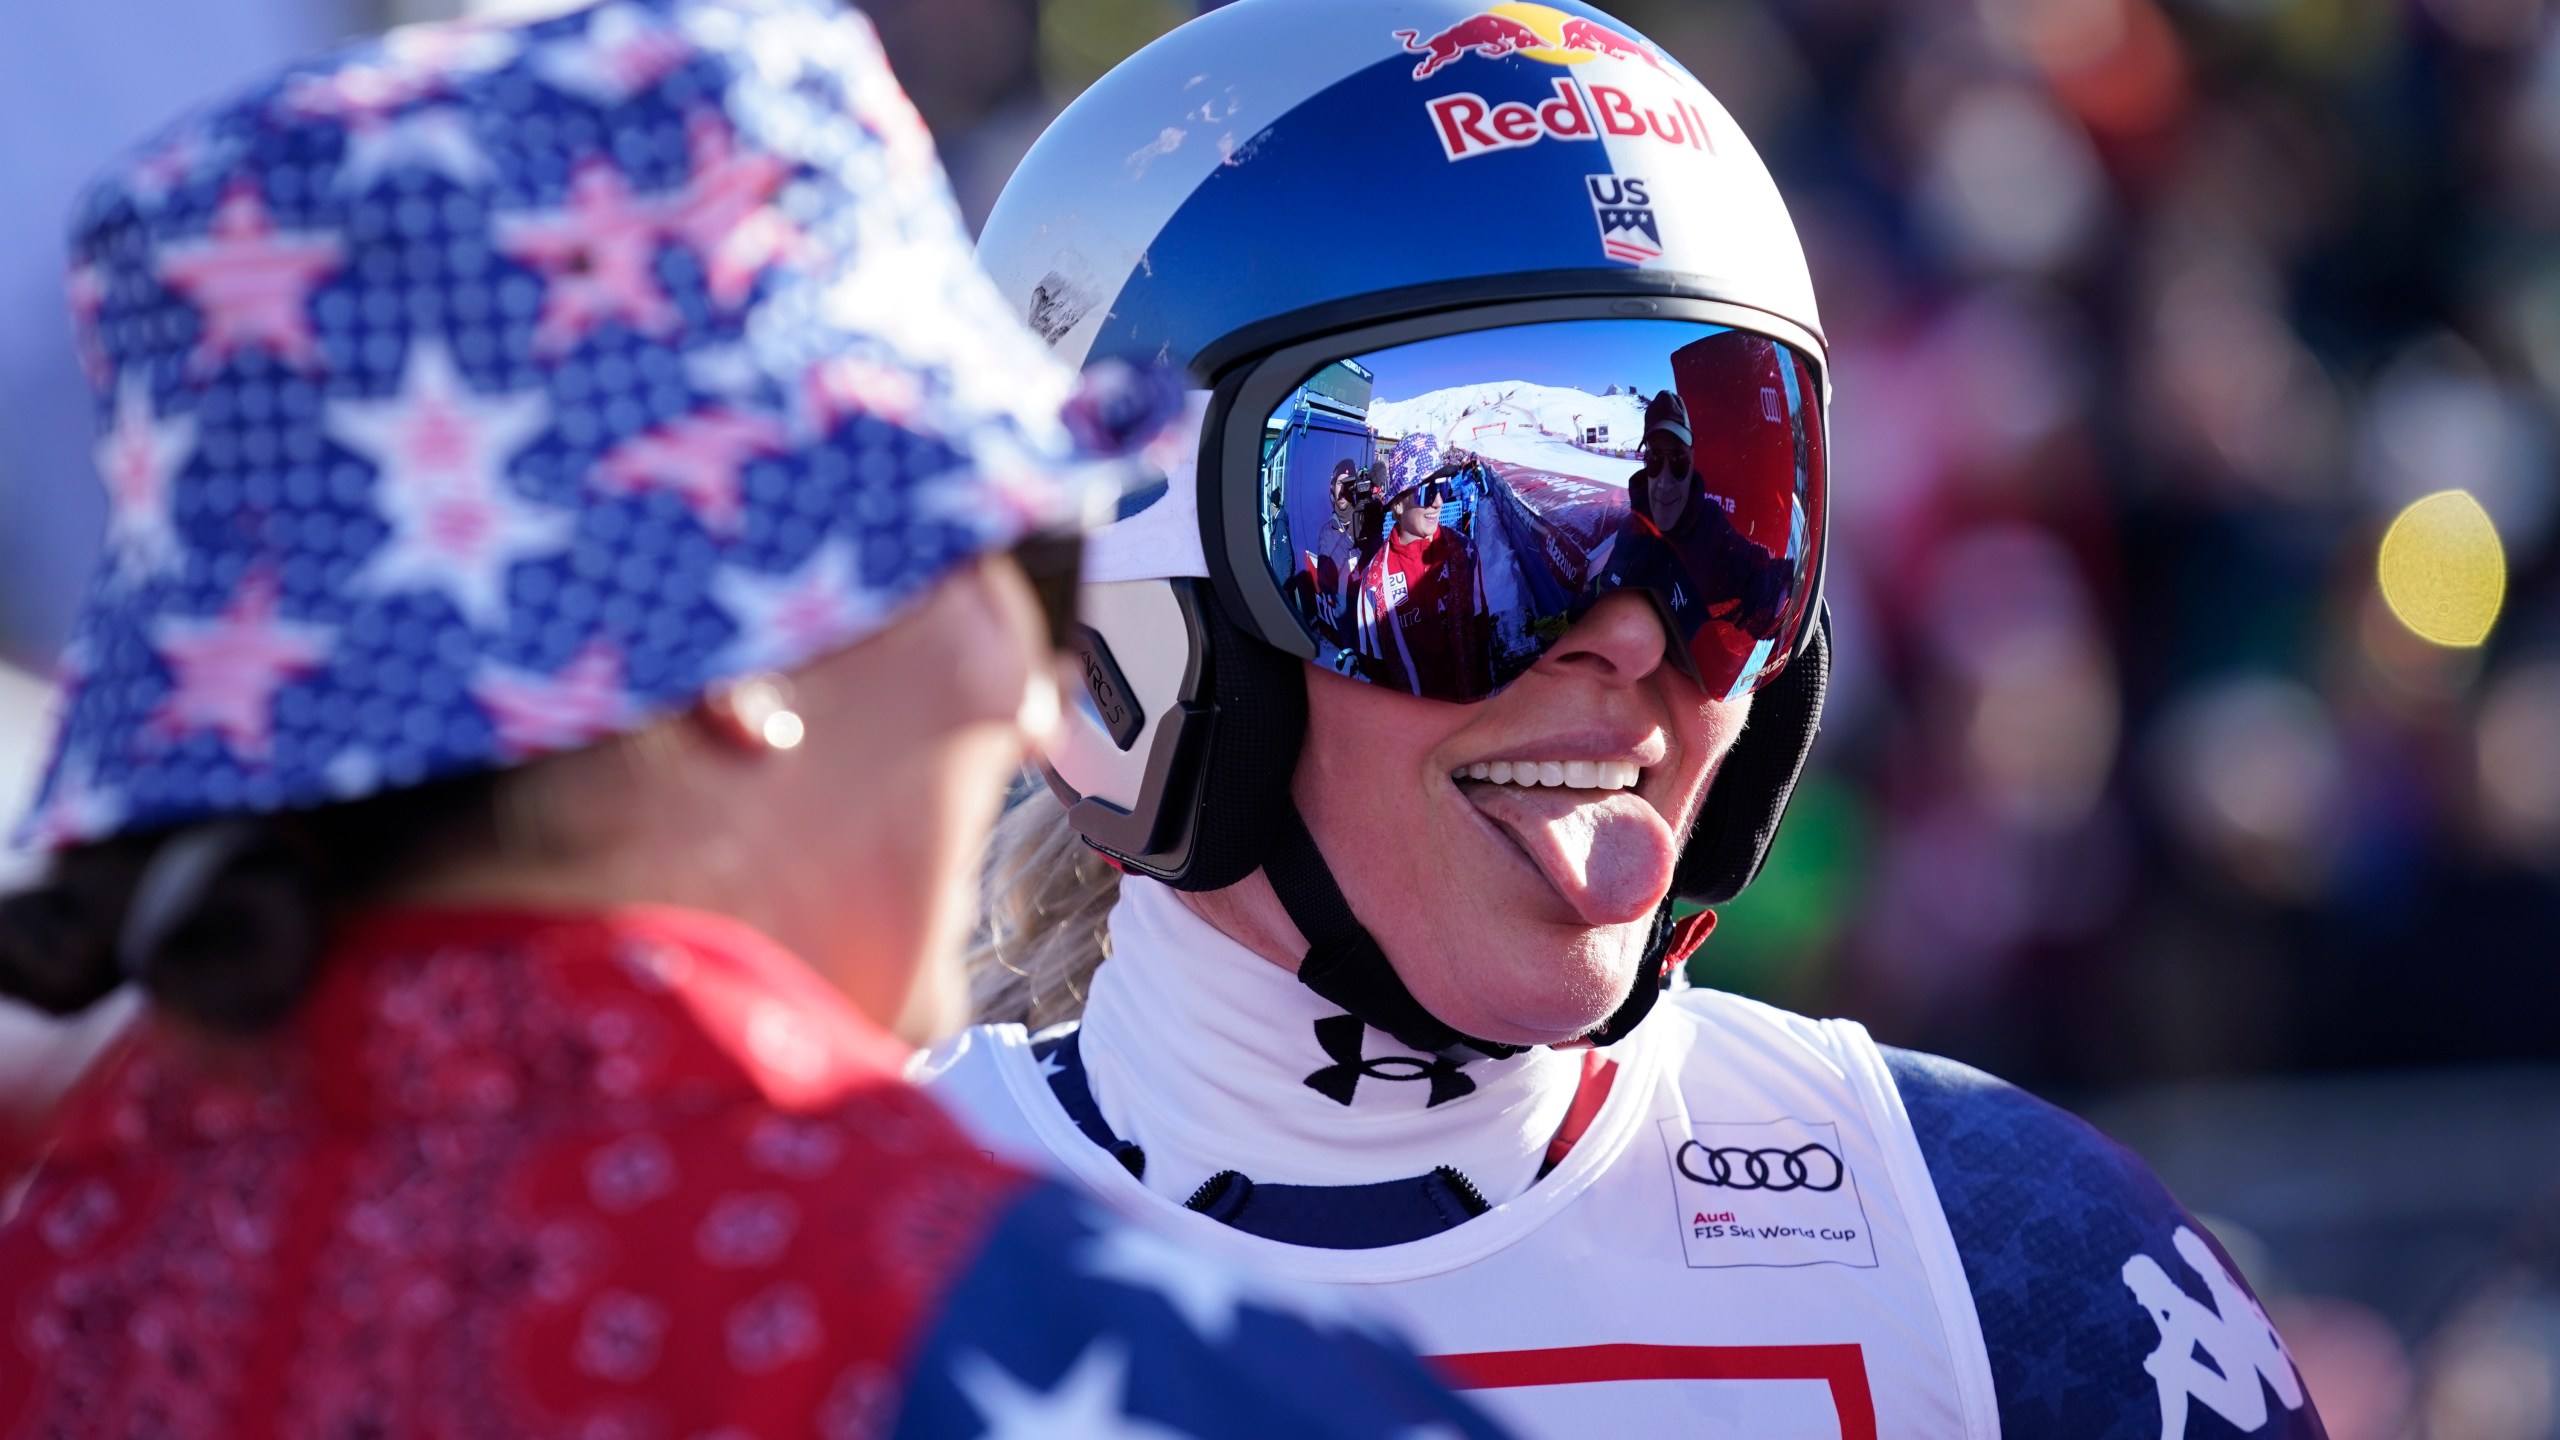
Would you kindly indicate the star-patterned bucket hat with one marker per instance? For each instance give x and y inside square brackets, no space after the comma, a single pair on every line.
[1413,460]
[485,390]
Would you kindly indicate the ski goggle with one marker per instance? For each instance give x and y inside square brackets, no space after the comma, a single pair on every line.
[1677,458]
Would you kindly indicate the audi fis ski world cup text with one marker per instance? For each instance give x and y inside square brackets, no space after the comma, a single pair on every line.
[1766,1193]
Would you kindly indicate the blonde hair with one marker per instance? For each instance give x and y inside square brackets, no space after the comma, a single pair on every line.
[1042,928]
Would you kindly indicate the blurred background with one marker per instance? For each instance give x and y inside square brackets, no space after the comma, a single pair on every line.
[2194,757]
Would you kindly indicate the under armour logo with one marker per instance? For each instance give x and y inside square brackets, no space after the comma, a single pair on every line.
[2233,1334]
[1340,1035]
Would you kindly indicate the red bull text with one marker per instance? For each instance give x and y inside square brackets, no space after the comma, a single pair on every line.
[1468,125]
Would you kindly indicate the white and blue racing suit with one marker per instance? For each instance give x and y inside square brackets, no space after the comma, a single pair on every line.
[1737,1222]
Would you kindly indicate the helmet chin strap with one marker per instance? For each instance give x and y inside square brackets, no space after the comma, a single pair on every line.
[1344,964]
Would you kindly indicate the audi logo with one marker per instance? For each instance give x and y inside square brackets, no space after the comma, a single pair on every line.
[1811,1166]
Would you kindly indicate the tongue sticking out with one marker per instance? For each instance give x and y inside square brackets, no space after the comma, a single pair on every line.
[1606,852]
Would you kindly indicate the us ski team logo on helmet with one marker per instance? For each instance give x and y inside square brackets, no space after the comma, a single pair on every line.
[1628,230]
[1468,125]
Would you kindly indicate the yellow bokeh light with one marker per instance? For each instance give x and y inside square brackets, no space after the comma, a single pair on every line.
[2443,572]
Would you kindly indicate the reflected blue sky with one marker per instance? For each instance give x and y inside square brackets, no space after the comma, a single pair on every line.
[1588,355]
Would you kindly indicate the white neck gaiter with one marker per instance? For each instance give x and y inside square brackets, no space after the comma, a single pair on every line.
[1200,1052]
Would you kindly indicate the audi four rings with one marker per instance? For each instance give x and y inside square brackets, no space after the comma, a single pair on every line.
[1793,1171]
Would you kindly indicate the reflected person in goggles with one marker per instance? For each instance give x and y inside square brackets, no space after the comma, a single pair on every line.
[1676,527]
[1422,615]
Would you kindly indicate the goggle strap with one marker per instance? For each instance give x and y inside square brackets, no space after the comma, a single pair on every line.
[1343,962]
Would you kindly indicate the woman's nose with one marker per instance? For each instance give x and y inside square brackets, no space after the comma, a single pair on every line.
[1619,641]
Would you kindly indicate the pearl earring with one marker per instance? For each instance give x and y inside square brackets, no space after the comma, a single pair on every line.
[761,706]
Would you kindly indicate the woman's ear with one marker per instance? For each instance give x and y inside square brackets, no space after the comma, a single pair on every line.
[753,714]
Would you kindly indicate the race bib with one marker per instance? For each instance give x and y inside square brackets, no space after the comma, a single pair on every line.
[1772,1192]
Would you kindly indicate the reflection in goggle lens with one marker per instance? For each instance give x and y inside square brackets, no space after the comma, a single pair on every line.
[1548,466]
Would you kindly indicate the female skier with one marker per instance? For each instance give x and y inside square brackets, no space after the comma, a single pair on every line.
[1383,1005]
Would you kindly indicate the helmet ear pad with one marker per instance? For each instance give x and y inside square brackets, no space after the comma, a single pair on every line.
[1259,695]
[1209,721]
[1731,838]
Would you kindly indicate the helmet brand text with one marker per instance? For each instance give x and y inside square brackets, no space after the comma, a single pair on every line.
[1468,125]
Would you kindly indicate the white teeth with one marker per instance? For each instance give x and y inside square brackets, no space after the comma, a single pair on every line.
[1570,774]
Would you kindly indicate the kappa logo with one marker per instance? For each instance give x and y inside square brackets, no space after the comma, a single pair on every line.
[1628,229]
[1341,1037]
[2232,1333]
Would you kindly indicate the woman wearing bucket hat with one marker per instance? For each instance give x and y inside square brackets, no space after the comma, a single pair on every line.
[554,468]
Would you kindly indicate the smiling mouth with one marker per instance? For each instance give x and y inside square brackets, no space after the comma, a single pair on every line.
[1563,774]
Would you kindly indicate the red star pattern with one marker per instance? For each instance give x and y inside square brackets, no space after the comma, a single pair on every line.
[139,459]
[698,457]
[624,51]
[595,255]
[442,451]
[225,669]
[287,298]
[726,213]
[538,714]
[251,282]
[784,619]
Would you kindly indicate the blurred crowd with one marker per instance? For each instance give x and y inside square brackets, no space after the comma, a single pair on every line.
[2149,321]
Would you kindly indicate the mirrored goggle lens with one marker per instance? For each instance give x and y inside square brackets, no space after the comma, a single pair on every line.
[1500,483]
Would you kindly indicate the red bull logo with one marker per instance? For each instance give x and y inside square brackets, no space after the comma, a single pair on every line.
[1540,32]
[1469,125]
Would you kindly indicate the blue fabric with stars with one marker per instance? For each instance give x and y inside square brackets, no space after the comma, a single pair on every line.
[1136,1338]
[2048,1214]
[483,390]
